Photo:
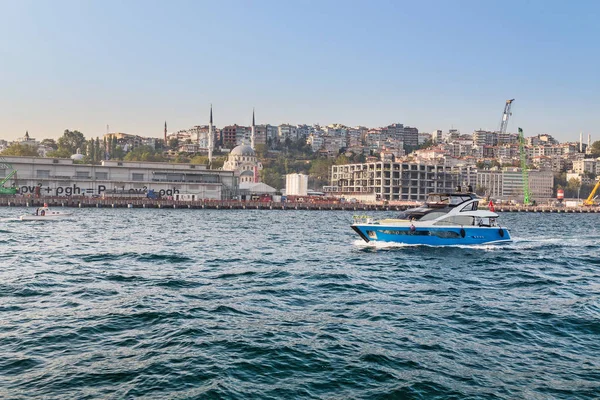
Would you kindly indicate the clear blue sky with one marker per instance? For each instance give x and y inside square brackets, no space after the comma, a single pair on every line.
[435,65]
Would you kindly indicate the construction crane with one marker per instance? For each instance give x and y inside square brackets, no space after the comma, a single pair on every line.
[591,200]
[506,115]
[6,166]
[524,173]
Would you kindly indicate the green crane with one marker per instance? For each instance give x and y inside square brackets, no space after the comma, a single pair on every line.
[526,200]
[6,166]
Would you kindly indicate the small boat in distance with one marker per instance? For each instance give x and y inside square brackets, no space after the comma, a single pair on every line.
[444,219]
[44,214]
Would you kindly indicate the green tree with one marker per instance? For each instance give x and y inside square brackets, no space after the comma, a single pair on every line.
[60,153]
[573,186]
[261,151]
[174,143]
[341,160]
[91,151]
[18,149]
[272,177]
[320,170]
[199,160]
[50,143]
[181,159]
[70,141]
[217,163]
[99,151]
[596,149]
[115,149]
[144,153]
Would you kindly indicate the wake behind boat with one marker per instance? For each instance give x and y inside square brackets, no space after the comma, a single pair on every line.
[45,214]
[445,219]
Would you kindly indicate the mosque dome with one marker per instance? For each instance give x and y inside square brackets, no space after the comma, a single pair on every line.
[243,150]
[77,156]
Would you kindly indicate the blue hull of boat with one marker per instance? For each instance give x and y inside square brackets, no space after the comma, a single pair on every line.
[432,236]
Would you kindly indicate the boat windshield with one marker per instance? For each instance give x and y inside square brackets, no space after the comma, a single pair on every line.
[437,200]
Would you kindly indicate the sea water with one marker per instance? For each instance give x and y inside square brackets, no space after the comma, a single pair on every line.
[137,303]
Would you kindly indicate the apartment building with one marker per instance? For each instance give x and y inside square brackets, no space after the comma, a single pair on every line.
[507,183]
[394,180]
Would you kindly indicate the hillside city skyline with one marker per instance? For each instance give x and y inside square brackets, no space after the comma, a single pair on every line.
[440,65]
[571,137]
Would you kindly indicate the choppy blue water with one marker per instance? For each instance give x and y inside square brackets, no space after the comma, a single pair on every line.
[132,303]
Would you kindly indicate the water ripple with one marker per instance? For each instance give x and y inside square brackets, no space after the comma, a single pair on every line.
[291,304]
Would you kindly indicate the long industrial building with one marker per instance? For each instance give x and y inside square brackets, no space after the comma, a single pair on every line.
[64,177]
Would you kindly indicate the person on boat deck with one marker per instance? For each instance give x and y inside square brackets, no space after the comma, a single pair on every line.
[37,211]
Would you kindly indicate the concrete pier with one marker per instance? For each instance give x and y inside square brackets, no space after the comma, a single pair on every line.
[10,201]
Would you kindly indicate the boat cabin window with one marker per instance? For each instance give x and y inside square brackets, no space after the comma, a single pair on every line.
[486,221]
[431,216]
[457,220]
[471,207]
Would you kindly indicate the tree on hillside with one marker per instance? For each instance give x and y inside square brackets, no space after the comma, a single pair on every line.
[199,160]
[174,143]
[596,148]
[217,163]
[70,141]
[320,170]
[18,149]
[144,153]
[91,151]
[99,154]
[341,160]
[272,177]
[50,143]
[261,151]
[573,186]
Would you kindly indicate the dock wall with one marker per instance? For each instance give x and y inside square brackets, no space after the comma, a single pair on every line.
[87,202]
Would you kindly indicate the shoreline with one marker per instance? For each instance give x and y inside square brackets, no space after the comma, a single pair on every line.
[248,205]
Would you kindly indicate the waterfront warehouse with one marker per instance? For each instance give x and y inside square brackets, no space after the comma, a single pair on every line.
[63,177]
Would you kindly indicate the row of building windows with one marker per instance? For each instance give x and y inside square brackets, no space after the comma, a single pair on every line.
[45,174]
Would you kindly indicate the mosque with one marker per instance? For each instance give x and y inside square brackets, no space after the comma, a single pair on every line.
[243,162]
[246,167]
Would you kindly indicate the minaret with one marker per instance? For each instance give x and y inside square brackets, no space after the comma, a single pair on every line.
[589,142]
[211,136]
[253,131]
[165,133]
[581,142]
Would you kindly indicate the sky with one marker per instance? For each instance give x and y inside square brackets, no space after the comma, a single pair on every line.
[132,65]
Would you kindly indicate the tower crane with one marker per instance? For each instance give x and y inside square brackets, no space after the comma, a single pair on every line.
[506,115]
[524,172]
[5,165]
